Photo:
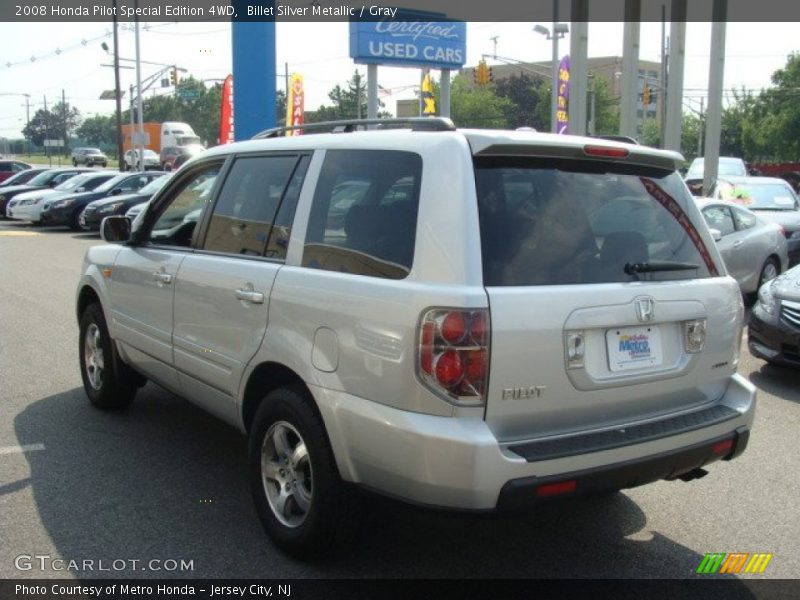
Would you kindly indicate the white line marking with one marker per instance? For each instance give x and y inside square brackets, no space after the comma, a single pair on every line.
[21,449]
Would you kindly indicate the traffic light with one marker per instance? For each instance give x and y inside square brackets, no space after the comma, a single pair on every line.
[647,95]
[173,76]
[491,75]
[482,74]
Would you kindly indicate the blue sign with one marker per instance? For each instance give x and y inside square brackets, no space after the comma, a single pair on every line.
[412,43]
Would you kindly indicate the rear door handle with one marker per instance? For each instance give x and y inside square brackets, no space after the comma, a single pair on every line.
[248,295]
[737,243]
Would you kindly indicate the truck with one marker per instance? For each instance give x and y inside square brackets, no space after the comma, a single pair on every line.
[161,135]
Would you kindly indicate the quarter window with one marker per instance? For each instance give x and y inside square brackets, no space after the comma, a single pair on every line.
[245,212]
[719,218]
[364,215]
[744,220]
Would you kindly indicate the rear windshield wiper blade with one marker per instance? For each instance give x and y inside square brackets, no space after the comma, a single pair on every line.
[654,266]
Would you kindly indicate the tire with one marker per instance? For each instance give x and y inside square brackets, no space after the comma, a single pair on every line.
[316,505]
[73,222]
[108,382]
[74,163]
[769,271]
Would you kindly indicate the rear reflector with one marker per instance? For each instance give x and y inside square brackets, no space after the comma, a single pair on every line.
[722,447]
[606,152]
[555,489]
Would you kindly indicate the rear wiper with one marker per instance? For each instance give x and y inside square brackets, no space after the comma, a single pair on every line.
[658,265]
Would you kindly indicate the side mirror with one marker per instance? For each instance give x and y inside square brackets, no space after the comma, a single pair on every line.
[116,192]
[716,234]
[115,230]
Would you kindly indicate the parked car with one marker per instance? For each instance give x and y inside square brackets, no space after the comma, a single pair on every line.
[151,159]
[8,168]
[728,166]
[774,331]
[46,179]
[29,206]
[755,251]
[170,154]
[23,177]
[89,157]
[491,335]
[771,198]
[96,211]
[135,210]
[66,210]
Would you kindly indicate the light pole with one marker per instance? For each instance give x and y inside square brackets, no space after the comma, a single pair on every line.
[559,31]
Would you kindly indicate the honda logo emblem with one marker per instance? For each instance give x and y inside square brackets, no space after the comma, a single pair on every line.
[645,309]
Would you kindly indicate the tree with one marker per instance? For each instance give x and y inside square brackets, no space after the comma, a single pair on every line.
[527,95]
[478,107]
[606,108]
[58,123]
[349,102]
[98,130]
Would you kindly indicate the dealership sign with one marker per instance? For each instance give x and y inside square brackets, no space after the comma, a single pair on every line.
[411,43]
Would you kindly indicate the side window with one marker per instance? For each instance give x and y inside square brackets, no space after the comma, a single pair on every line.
[19,167]
[244,214]
[282,228]
[178,218]
[744,220]
[364,214]
[5,167]
[719,217]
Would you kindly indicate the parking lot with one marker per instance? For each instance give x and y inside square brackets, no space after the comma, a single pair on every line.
[165,482]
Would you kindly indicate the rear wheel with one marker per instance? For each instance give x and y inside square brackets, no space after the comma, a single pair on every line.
[74,163]
[109,383]
[300,498]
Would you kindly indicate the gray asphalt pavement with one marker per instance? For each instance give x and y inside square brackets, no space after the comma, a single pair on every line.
[165,482]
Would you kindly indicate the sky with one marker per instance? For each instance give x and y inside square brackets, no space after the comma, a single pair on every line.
[69,57]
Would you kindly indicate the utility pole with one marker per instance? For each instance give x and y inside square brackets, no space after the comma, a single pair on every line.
[554,71]
[117,88]
[592,125]
[140,145]
[286,84]
[701,128]
[46,133]
[494,41]
[662,105]
[64,119]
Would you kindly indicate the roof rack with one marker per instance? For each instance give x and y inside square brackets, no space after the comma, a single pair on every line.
[350,125]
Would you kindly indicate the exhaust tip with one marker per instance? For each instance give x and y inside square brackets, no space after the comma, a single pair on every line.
[697,473]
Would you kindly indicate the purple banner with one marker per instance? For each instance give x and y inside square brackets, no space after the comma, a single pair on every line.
[562,115]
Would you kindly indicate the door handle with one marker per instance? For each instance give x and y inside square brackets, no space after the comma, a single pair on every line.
[737,243]
[162,278]
[250,296]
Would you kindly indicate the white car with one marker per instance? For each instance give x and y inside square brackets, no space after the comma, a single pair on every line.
[28,206]
[151,159]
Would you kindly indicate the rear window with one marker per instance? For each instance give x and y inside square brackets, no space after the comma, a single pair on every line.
[551,222]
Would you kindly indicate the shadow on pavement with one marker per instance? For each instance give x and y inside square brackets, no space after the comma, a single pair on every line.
[781,382]
[163,480]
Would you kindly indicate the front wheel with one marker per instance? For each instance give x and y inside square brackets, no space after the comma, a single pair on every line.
[769,271]
[109,383]
[299,496]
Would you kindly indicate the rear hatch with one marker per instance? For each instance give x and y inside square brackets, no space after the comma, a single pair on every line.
[606,297]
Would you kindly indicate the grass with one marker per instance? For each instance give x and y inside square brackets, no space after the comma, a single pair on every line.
[57,161]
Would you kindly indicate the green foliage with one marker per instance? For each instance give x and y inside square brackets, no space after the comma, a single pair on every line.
[98,130]
[56,123]
[528,95]
[349,102]
[650,133]
[606,108]
[479,106]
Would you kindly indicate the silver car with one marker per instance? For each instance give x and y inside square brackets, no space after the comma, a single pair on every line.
[755,250]
[475,320]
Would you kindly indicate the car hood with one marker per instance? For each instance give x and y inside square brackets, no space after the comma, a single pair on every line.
[127,198]
[788,219]
[788,285]
[15,189]
[83,196]
[37,193]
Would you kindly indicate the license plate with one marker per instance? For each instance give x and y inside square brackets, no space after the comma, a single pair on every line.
[634,348]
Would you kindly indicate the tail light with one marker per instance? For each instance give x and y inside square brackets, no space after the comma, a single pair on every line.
[453,354]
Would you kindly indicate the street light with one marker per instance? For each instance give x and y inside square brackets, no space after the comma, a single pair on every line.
[559,31]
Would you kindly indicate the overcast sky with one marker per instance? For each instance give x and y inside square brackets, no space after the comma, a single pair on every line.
[319,51]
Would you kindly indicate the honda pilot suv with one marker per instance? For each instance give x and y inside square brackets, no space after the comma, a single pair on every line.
[474,320]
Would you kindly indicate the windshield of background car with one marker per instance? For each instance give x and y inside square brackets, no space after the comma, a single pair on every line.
[44,178]
[766,196]
[75,182]
[727,166]
[108,185]
[155,185]
[94,151]
[553,221]
[188,140]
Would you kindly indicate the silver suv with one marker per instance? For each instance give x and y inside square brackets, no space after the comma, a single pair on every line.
[477,320]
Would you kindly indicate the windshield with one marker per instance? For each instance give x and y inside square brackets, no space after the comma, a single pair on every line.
[727,166]
[188,140]
[73,182]
[93,151]
[763,196]
[44,178]
[155,185]
[112,182]
[549,222]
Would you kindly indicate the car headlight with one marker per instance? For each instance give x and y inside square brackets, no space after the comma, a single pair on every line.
[63,203]
[795,235]
[766,297]
[114,207]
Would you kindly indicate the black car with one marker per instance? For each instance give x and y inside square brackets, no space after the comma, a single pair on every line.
[46,179]
[66,210]
[96,211]
[774,331]
[23,177]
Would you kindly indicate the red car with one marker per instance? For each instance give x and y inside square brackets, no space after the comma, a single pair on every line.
[11,167]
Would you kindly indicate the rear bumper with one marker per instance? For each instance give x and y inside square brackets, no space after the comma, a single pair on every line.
[458,463]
